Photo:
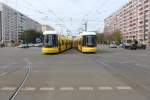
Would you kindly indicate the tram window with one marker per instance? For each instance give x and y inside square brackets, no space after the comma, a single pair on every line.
[89,41]
[50,41]
[46,40]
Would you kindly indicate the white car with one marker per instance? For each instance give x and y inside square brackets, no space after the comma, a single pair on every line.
[23,46]
[38,45]
[31,45]
[113,46]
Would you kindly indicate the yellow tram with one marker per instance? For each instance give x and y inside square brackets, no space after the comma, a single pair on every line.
[86,42]
[55,43]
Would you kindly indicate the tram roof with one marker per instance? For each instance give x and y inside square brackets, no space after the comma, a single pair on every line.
[88,33]
[50,32]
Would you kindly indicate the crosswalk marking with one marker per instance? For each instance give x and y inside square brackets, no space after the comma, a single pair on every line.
[66,88]
[124,88]
[28,89]
[47,88]
[8,88]
[83,88]
[105,88]
[2,74]
[86,88]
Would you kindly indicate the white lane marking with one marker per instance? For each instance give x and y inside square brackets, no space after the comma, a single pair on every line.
[47,89]
[105,88]
[124,88]
[2,74]
[28,89]
[60,62]
[144,65]
[66,88]
[86,88]
[8,88]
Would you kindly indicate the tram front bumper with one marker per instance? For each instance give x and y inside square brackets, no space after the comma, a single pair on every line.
[50,50]
[89,49]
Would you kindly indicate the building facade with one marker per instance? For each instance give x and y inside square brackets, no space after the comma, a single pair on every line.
[132,20]
[47,28]
[13,23]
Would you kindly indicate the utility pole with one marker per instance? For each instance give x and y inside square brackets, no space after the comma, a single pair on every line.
[67,32]
[85,25]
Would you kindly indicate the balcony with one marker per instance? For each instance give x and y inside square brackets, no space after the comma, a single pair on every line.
[141,8]
[141,13]
[146,6]
[141,22]
[146,1]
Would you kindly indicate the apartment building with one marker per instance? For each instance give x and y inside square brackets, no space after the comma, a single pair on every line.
[132,20]
[47,28]
[13,23]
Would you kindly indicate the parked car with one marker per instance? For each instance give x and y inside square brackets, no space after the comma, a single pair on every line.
[113,46]
[130,46]
[133,46]
[23,46]
[141,46]
[38,45]
[31,45]
[127,45]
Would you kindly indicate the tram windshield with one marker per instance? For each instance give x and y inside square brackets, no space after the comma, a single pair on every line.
[89,40]
[50,40]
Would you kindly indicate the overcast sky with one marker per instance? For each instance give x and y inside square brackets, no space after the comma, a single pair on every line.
[68,13]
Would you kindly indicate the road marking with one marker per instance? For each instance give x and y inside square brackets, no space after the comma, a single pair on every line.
[86,88]
[2,74]
[13,96]
[28,89]
[8,88]
[124,88]
[47,88]
[144,65]
[105,88]
[66,88]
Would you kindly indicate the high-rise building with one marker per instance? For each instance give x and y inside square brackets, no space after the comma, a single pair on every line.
[132,20]
[13,23]
[47,28]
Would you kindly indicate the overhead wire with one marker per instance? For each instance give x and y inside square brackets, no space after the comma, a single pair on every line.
[103,4]
[60,19]
[54,14]
[44,12]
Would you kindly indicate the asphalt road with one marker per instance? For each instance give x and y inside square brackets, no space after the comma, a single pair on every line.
[110,74]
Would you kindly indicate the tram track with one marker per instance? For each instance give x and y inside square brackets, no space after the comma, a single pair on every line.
[21,84]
